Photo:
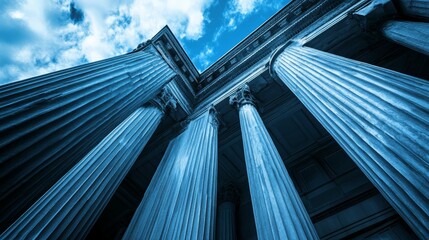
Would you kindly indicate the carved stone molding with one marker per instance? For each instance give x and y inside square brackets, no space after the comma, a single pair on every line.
[371,16]
[242,97]
[164,100]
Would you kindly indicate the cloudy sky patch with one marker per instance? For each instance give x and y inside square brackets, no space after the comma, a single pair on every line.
[38,37]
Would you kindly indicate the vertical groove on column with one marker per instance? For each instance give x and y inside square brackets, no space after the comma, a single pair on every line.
[413,35]
[279,212]
[71,206]
[380,117]
[226,221]
[180,200]
[51,121]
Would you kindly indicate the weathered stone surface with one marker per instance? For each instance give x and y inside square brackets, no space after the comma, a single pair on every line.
[49,122]
[180,201]
[414,35]
[278,210]
[379,117]
[69,209]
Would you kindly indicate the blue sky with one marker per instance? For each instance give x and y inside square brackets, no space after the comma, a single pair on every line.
[38,37]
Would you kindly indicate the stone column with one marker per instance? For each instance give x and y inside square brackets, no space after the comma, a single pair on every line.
[180,201]
[379,117]
[414,35]
[414,8]
[277,207]
[225,219]
[48,123]
[70,208]
[378,13]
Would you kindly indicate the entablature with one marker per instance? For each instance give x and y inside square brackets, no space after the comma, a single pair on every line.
[284,25]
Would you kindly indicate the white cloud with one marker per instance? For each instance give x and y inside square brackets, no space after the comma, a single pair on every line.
[239,9]
[108,28]
[236,12]
[245,7]
[204,57]
[16,15]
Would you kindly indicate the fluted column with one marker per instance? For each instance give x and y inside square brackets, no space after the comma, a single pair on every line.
[379,117]
[414,35]
[48,123]
[226,210]
[180,201]
[69,209]
[377,15]
[414,8]
[277,207]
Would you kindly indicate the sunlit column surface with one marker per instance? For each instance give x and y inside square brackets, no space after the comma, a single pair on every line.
[69,209]
[48,123]
[414,35]
[278,210]
[226,211]
[379,117]
[180,200]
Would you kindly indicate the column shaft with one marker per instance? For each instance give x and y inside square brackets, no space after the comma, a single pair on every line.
[226,210]
[279,212]
[413,35]
[48,123]
[380,118]
[180,200]
[225,221]
[69,209]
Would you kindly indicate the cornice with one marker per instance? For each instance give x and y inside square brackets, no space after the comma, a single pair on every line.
[259,35]
[282,27]
[276,31]
[177,52]
[168,46]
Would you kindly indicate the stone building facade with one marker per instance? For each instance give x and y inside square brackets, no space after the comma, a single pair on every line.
[314,126]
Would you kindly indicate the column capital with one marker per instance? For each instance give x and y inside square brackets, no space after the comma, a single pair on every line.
[164,100]
[242,97]
[215,116]
[214,119]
